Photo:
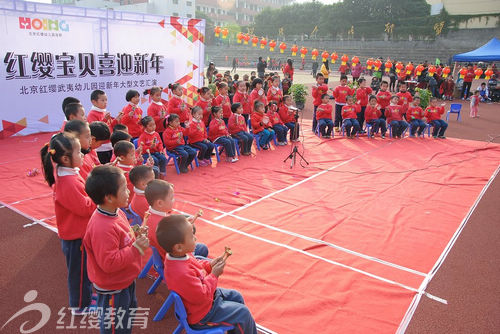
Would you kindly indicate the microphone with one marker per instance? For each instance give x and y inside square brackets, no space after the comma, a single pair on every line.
[293,108]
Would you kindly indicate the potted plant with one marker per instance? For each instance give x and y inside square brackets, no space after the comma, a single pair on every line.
[425,96]
[299,93]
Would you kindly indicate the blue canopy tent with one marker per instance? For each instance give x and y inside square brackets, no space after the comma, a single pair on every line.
[488,52]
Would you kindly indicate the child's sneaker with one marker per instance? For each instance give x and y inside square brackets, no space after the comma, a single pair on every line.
[337,129]
[442,137]
[383,136]
[435,137]
[234,159]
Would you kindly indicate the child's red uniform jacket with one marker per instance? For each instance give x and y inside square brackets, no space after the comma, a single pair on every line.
[152,222]
[433,113]
[113,263]
[151,142]
[275,94]
[257,124]
[414,113]
[383,99]
[206,105]
[341,93]
[254,96]
[236,124]
[173,137]
[196,131]
[139,203]
[372,113]
[90,160]
[193,280]
[132,122]
[324,111]
[176,105]
[96,114]
[224,102]
[287,115]
[350,111]
[73,206]
[404,100]
[317,92]
[244,99]
[217,129]
[362,95]
[126,170]
[158,111]
[394,113]
[274,118]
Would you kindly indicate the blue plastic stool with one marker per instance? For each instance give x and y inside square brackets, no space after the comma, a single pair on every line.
[218,153]
[158,267]
[318,133]
[427,127]
[257,140]
[144,272]
[181,316]
[132,217]
[389,127]
[454,109]
[343,131]
[175,156]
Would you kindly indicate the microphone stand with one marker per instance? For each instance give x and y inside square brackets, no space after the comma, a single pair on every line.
[293,154]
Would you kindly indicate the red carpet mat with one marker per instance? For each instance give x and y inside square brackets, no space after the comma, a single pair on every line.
[344,243]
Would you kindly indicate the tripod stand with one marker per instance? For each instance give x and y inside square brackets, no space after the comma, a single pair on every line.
[293,154]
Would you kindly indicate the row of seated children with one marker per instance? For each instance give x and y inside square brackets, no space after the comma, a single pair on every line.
[103,255]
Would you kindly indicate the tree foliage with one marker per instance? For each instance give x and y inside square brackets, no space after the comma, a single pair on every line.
[367,17]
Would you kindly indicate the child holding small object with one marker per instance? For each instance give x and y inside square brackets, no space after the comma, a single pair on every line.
[151,143]
[394,114]
[114,251]
[197,137]
[383,98]
[160,197]
[196,281]
[341,93]
[373,117]
[173,137]
[125,160]
[219,134]
[205,103]
[261,125]
[324,116]
[241,96]
[132,113]
[287,114]
[433,114]
[140,176]
[414,116]
[73,209]
[237,127]
[176,105]
[274,92]
[278,126]
[350,117]
[157,109]
[223,101]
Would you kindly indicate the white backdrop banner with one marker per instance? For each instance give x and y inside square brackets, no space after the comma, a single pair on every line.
[50,52]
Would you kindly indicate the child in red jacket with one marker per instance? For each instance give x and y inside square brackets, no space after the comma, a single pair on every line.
[287,115]
[340,94]
[278,126]
[261,125]
[173,137]
[324,116]
[205,103]
[373,116]
[152,145]
[197,137]
[126,159]
[219,134]
[318,90]
[394,114]
[237,127]
[274,92]
[73,209]
[362,94]
[405,97]
[114,251]
[383,98]
[132,114]
[241,96]
[176,104]
[257,93]
[414,117]
[140,176]
[157,109]
[196,281]
[433,114]
[350,117]
[222,100]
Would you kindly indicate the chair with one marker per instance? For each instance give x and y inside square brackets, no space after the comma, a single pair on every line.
[144,272]
[257,140]
[132,217]
[368,128]
[158,267]
[181,316]
[136,142]
[454,109]
[389,127]
[318,133]
[175,156]
[343,131]
[221,147]
[427,127]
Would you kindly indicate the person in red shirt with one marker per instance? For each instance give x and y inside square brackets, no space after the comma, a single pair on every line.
[237,127]
[140,176]
[176,104]
[257,93]
[448,88]
[340,93]
[205,103]
[405,97]
[222,100]
[81,130]
[98,112]
[126,159]
[288,69]
[73,111]
[99,133]
[197,137]
[278,126]
[274,92]
[152,145]
[324,116]
[414,117]
[433,114]
[157,109]
[383,97]
[73,209]
[173,137]
[114,251]
[394,114]
[466,86]
[160,198]
[241,96]
[132,114]
[287,115]
[196,280]
[362,94]
[219,134]
[373,117]
[261,125]
[350,117]
[318,90]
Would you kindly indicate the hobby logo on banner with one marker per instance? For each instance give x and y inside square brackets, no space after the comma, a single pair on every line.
[29,23]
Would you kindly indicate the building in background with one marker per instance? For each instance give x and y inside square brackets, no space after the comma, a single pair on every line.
[183,8]
[482,11]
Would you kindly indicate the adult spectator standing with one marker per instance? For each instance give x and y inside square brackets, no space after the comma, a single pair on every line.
[210,72]
[315,66]
[261,68]
[235,64]
[289,69]
[467,82]
[325,70]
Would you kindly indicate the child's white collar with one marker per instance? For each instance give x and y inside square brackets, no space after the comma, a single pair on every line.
[156,212]
[158,103]
[65,171]
[97,109]
[138,191]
